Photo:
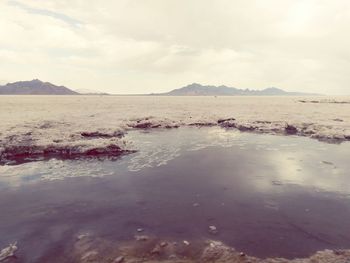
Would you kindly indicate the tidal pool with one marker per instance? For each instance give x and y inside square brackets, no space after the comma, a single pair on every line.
[267,195]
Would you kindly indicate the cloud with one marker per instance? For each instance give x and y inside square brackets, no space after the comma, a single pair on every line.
[45,12]
[131,46]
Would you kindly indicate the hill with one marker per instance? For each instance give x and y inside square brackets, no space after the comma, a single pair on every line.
[34,87]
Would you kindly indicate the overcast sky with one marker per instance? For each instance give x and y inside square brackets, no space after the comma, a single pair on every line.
[143,46]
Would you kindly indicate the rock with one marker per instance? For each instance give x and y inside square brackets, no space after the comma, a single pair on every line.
[27,153]
[276,182]
[172,126]
[246,127]
[144,125]
[202,124]
[225,120]
[326,162]
[8,251]
[227,123]
[290,129]
[263,122]
[119,259]
[97,134]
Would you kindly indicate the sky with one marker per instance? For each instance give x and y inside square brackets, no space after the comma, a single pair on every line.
[144,46]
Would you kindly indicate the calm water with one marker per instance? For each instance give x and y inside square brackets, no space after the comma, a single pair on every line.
[267,195]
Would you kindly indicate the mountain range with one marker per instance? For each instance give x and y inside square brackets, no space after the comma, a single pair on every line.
[38,87]
[196,89]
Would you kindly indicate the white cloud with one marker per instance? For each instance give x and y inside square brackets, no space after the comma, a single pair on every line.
[130,46]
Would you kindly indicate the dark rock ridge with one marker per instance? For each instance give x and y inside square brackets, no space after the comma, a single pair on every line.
[34,87]
[28,153]
[97,134]
[196,89]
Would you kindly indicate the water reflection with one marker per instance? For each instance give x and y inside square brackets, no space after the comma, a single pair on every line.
[289,160]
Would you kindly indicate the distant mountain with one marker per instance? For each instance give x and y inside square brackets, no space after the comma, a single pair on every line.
[196,89]
[90,92]
[34,87]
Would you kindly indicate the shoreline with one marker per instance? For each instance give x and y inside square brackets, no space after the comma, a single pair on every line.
[96,144]
[83,123]
[149,249]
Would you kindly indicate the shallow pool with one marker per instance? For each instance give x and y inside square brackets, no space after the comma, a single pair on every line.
[266,195]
